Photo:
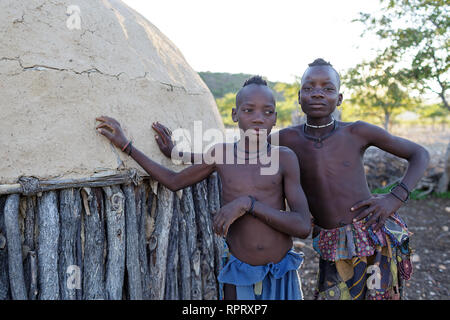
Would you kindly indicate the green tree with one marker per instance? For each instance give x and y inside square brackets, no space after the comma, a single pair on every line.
[417,32]
[434,112]
[287,103]
[225,105]
[378,90]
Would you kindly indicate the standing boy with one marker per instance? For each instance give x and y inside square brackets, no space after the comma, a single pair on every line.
[362,242]
[258,230]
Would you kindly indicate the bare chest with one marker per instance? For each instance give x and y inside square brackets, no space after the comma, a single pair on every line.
[239,179]
[337,155]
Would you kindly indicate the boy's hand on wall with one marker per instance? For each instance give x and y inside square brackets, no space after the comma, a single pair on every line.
[163,139]
[111,129]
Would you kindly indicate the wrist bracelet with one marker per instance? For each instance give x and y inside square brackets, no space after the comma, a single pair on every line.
[404,201]
[126,145]
[252,205]
[404,187]
[130,148]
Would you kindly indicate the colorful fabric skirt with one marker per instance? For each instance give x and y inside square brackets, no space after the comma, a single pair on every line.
[363,264]
[273,281]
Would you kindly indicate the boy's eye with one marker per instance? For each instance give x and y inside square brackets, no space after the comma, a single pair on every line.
[247,110]
[269,112]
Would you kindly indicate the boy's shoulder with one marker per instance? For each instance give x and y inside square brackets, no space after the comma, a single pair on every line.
[362,128]
[284,152]
[290,130]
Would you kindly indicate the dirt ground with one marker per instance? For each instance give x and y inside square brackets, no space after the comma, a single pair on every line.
[429,220]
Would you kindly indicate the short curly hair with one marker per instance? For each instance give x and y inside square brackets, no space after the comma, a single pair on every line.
[255,80]
[319,62]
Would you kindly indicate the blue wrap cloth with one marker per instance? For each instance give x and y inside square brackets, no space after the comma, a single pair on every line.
[280,281]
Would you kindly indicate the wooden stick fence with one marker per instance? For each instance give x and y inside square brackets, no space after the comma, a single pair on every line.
[108,238]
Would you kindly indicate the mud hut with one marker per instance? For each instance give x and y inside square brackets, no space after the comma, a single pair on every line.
[78,218]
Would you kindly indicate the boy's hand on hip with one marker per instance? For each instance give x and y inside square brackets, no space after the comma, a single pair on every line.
[163,139]
[111,129]
[379,207]
[229,213]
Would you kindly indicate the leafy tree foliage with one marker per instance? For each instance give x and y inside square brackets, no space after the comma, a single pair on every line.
[418,35]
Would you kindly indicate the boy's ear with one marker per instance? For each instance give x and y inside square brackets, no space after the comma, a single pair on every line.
[341,97]
[234,115]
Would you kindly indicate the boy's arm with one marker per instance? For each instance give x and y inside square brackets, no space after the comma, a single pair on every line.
[112,130]
[296,222]
[382,206]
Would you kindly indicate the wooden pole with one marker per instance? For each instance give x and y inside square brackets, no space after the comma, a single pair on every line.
[171,290]
[143,209]
[48,221]
[159,241]
[29,244]
[4,278]
[115,222]
[187,207]
[214,207]
[184,272]
[204,224]
[133,265]
[13,236]
[68,264]
[94,244]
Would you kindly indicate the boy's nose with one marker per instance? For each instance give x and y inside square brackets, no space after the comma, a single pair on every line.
[259,118]
[317,93]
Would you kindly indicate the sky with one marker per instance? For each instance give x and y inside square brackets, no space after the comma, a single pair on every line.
[276,39]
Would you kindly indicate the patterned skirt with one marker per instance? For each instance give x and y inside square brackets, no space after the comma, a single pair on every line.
[363,264]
